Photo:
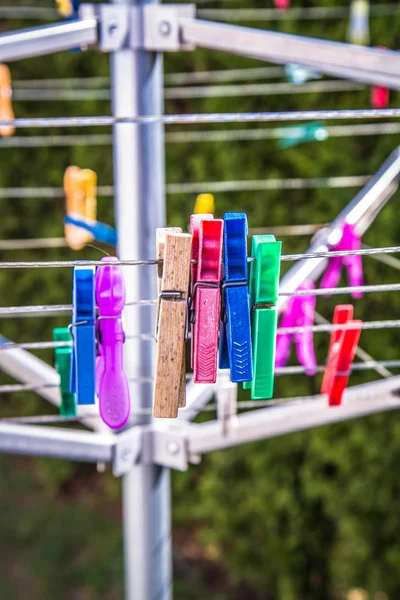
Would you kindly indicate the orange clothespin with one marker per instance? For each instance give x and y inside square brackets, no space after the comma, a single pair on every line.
[6,110]
[342,348]
[171,324]
[81,203]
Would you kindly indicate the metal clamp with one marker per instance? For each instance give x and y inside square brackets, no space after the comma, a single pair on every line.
[224,286]
[166,295]
[150,27]
[191,299]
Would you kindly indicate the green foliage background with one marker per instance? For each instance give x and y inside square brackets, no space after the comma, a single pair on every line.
[304,517]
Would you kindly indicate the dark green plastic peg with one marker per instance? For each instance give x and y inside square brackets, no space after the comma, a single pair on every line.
[63,357]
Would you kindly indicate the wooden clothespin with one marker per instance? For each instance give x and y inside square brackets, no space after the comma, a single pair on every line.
[206,296]
[171,323]
[342,349]
[264,284]
[6,110]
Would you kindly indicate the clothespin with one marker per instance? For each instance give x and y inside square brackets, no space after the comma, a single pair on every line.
[112,383]
[67,8]
[194,229]
[171,324]
[206,296]
[204,204]
[299,134]
[83,335]
[299,74]
[160,243]
[380,96]
[63,359]
[264,283]
[358,32]
[80,222]
[282,4]
[349,241]
[299,312]
[235,330]
[342,348]
[6,110]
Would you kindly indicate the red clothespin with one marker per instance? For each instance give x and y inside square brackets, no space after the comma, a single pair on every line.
[342,348]
[380,96]
[282,4]
[206,295]
[194,229]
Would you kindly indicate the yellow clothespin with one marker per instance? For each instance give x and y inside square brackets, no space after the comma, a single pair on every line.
[204,204]
[65,7]
[6,110]
[80,194]
[171,325]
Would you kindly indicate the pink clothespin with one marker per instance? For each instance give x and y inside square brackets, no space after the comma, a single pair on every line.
[111,381]
[380,96]
[282,4]
[206,296]
[194,230]
[299,312]
[348,241]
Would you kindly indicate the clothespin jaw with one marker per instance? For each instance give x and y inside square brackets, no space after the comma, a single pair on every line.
[112,383]
[83,335]
[172,324]
[264,284]
[299,312]
[342,349]
[160,245]
[310,132]
[63,359]
[358,32]
[206,295]
[6,110]
[235,330]
[349,240]
[204,204]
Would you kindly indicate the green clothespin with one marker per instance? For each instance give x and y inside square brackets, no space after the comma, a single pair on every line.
[63,357]
[264,285]
[309,132]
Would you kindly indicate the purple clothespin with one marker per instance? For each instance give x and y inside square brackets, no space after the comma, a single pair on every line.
[349,241]
[299,312]
[111,381]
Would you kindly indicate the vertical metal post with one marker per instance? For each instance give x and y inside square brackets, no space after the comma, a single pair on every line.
[139,180]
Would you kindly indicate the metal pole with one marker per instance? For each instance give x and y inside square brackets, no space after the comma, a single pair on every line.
[140,207]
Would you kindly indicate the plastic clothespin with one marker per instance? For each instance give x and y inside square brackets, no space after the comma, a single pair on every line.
[78,205]
[264,283]
[204,204]
[112,383]
[235,329]
[349,241]
[380,96]
[342,348]
[160,243]
[67,8]
[83,335]
[282,4]
[299,312]
[358,32]
[63,359]
[194,229]
[310,132]
[299,74]
[206,296]
[6,110]
[171,324]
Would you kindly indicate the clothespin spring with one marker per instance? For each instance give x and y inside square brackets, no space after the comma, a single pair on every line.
[229,284]
[191,300]
[173,296]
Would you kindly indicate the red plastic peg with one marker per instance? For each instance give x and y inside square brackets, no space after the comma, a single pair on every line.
[282,4]
[342,348]
[380,96]
[206,294]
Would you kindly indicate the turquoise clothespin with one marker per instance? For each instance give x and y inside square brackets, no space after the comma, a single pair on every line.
[299,74]
[63,359]
[358,32]
[264,285]
[299,134]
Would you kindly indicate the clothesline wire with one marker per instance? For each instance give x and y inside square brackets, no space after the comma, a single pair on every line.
[180,137]
[201,118]
[284,258]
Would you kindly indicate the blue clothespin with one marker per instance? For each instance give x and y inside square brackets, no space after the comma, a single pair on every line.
[100,231]
[235,331]
[83,369]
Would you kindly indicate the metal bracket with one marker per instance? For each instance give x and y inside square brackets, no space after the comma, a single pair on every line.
[170,449]
[129,450]
[150,27]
